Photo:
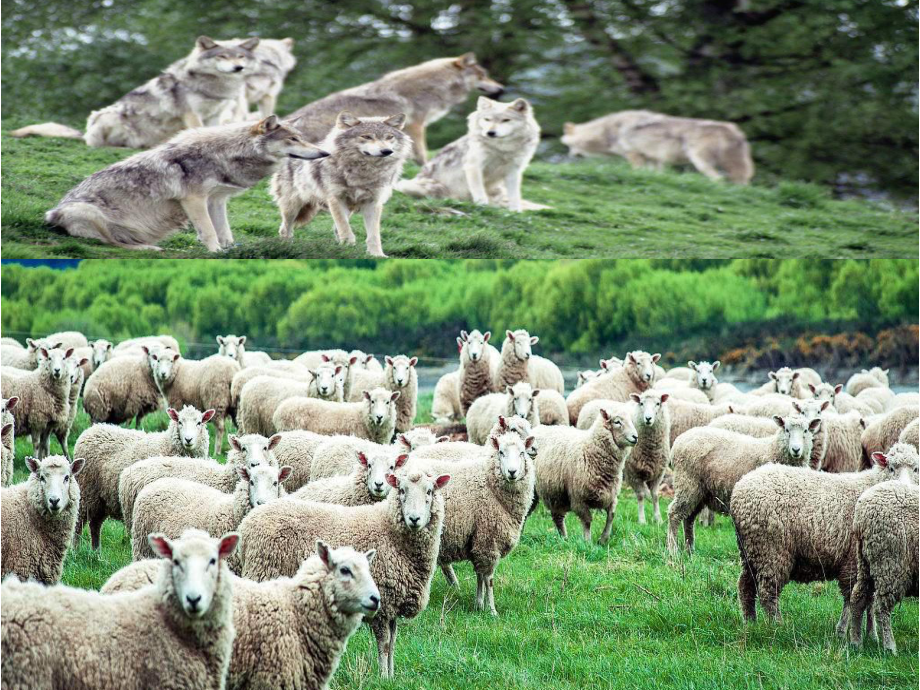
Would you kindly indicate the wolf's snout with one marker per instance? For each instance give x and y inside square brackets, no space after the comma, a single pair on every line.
[237,68]
[492,133]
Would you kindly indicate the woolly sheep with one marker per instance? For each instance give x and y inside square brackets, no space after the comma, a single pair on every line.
[686,415]
[793,524]
[683,393]
[463,451]
[581,470]
[296,449]
[336,455]
[366,484]
[405,529]
[7,454]
[123,388]
[704,377]
[282,369]
[374,418]
[37,520]
[234,347]
[785,381]
[709,462]
[110,449]
[910,434]
[885,526]
[44,396]
[177,633]
[398,375]
[445,406]
[518,363]
[519,399]
[248,451]
[552,408]
[290,632]
[647,461]
[903,400]
[62,426]
[842,434]
[844,402]
[337,357]
[479,363]
[635,376]
[150,341]
[170,505]
[417,438]
[876,377]
[883,432]
[877,396]
[585,376]
[262,395]
[27,357]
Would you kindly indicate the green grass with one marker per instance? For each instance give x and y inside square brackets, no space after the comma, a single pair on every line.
[580,616]
[600,208]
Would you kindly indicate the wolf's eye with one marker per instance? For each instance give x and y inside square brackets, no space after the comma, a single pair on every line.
[294,139]
[367,137]
[507,119]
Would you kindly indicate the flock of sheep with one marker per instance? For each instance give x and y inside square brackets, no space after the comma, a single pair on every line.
[332,508]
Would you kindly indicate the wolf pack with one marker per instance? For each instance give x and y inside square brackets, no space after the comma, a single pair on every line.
[344,153]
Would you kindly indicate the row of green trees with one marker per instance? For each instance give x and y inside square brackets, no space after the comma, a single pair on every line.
[578,308]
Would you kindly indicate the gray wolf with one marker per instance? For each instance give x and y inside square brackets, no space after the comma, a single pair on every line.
[488,163]
[139,201]
[367,158]
[202,89]
[425,93]
[716,149]
[274,60]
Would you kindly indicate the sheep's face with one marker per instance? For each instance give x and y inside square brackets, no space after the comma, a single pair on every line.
[417,438]
[52,477]
[511,455]
[521,399]
[620,427]
[705,374]
[416,494]
[521,427]
[585,376]
[361,358]
[377,466]
[232,346]
[328,379]
[642,366]
[9,404]
[162,362]
[811,409]
[353,587]
[74,368]
[264,482]
[649,404]
[253,450]
[521,342]
[798,434]
[784,380]
[880,375]
[380,405]
[190,426]
[825,391]
[347,361]
[474,344]
[900,463]
[609,365]
[102,353]
[55,361]
[195,571]
[401,367]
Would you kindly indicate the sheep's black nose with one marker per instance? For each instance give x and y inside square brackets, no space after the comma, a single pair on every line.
[512,473]
[375,602]
[413,520]
[54,502]
[193,601]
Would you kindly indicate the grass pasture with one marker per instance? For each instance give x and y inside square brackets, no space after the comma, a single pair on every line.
[576,616]
[601,208]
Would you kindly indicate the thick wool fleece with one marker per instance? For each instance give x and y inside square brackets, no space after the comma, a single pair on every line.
[205,385]
[344,490]
[407,404]
[445,406]
[686,415]
[476,378]
[538,371]
[910,434]
[44,401]
[648,459]
[262,395]
[120,390]
[859,382]
[481,416]
[553,411]
[883,432]
[617,385]
[331,418]
[296,450]
[35,541]
[59,638]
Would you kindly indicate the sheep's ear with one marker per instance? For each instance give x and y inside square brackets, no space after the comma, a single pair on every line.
[604,414]
[77,466]
[464,335]
[486,336]
[242,340]
[508,390]
[838,388]
[413,361]
[44,352]
[367,395]
[731,410]
[235,443]
[362,459]
[631,357]
[814,425]
[394,396]
[502,422]
[7,428]
[534,339]
[227,544]
[285,473]
[635,397]
[368,358]
[325,358]
[535,393]
[880,459]
[716,365]
[796,407]
[108,346]
[208,415]
[324,553]
[173,415]
[206,43]
[338,370]
[827,403]
[494,441]
[220,340]
[33,345]
[352,360]
[403,439]
[392,481]
[398,121]
[780,422]
[795,375]
[250,44]
[885,371]
[243,472]
[176,356]
[528,442]
[664,397]
[346,120]
[442,439]
[772,375]
[11,403]
[656,357]
[83,360]
[603,364]
[441,481]
[160,544]
[274,441]
[145,349]
[32,464]
[369,555]
[692,365]
[459,343]
[862,422]
[388,360]
[811,387]
[401,460]
[509,335]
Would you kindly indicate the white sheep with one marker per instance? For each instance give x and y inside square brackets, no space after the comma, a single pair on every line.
[123,388]
[785,381]
[373,418]
[518,363]
[704,377]
[883,431]
[636,375]
[479,363]
[296,449]
[903,400]
[149,341]
[552,408]
[341,358]
[686,415]
[62,426]
[398,375]
[910,434]
[366,484]
[262,395]
[280,368]
[646,463]
[234,347]
[876,377]
[519,399]
[445,406]
[463,451]
[8,423]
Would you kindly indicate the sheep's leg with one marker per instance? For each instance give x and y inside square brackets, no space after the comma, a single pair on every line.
[860,599]
[653,490]
[747,594]
[36,444]
[871,627]
[640,502]
[95,530]
[881,607]
[391,662]
[688,529]
[707,517]
[769,587]
[480,592]
[608,523]
[559,521]
[450,575]
[46,443]
[219,435]
[62,440]
[685,503]
[381,630]
[490,588]
[844,621]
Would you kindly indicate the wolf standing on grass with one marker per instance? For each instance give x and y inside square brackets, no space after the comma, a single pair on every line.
[367,158]
[139,201]
[487,164]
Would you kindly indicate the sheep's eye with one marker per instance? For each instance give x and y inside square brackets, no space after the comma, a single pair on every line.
[253,464]
[345,571]
[251,483]
[41,479]
[213,561]
[199,423]
[175,561]
[67,478]
[265,448]
[275,484]
[402,492]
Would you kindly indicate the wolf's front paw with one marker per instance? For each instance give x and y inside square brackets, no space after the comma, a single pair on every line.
[212,246]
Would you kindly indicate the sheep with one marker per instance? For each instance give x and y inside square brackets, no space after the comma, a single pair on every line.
[686,415]
[93,356]
[519,399]
[177,633]
[793,524]
[337,357]
[885,526]
[68,339]
[374,418]
[203,383]
[7,454]
[366,361]
[486,504]
[234,347]
[296,448]
[399,375]
[445,406]
[418,438]
[248,451]
[37,520]
[366,484]
[581,470]
[517,363]
[62,427]
[879,397]
[883,432]
[784,381]
[335,456]
[149,341]
[903,400]
[27,357]
[682,392]
[170,505]
[709,462]
[704,377]
[261,396]
[585,376]
[552,408]
[876,377]
[841,435]
[910,434]
[44,396]
[635,376]
[771,405]
[281,368]
[844,402]
[479,362]
[123,388]
[290,632]
[405,529]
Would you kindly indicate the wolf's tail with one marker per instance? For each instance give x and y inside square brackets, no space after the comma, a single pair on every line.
[737,162]
[421,186]
[48,129]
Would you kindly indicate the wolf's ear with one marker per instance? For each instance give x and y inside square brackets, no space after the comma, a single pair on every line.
[288,42]
[568,127]
[484,103]
[520,105]
[206,42]
[269,124]
[397,121]
[465,60]
[250,44]
[346,120]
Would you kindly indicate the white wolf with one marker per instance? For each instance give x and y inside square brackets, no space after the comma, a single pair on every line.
[367,158]
[139,201]
[487,164]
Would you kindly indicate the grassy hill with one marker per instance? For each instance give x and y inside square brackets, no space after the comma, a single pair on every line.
[601,208]
[574,615]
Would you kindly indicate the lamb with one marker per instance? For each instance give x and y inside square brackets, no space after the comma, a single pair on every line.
[479,362]
[234,347]
[366,484]
[884,431]
[686,415]
[876,377]
[7,454]
[335,456]
[844,402]
[290,632]
[177,633]
[93,356]
[795,524]
[405,529]
[44,397]
[110,449]
[170,506]
[445,407]
[709,462]
[62,427]
[27,357]
[647,461]
[37,520]
[885,526]
[123,388]
[519,399]
[635,376]
[486,504]
[682,392]
[517,363]
[149,341]
[337,357]
[462,451]
[374,418]
[552,408]
[261,397]
[248,451]
[843,432]
[581,470]
[399,375]
[910,434]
